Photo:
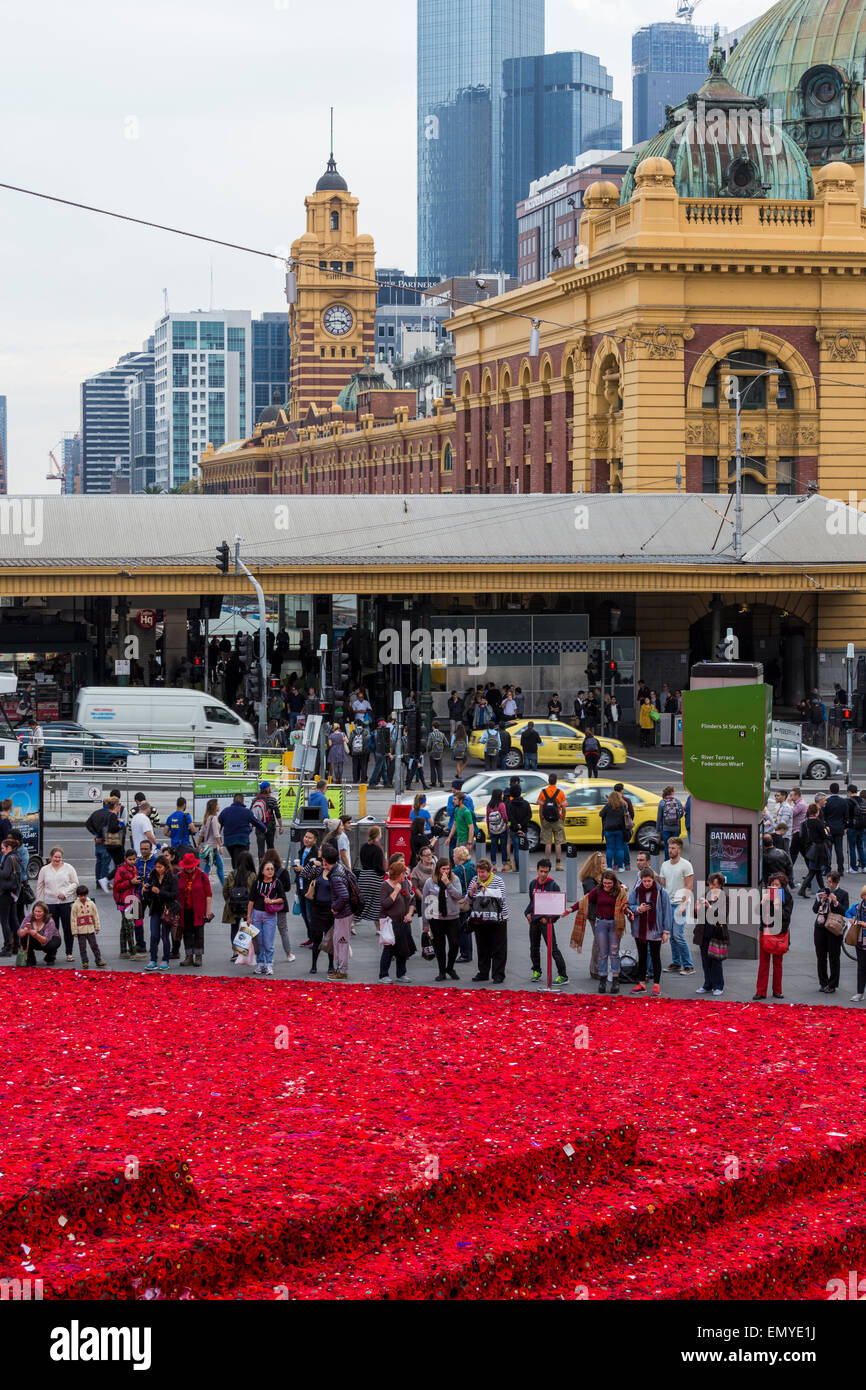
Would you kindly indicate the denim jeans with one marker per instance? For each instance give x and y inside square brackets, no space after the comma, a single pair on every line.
[104,861]
[498,844]
[714,974]
[210,859]
[679,947]
[608,948]
[857,848]
[159,931]
[530,762]
[614,842]
[514,843]
[267,925]
[380,768]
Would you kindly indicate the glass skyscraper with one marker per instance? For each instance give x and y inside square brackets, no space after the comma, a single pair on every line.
[462,46]
[668,62]
[106,415]
[270,360]
[203,388]
[556,106]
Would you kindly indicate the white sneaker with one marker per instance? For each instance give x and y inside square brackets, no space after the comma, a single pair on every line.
[856,998]
[718,992]
[702,990]
[290,958]
[267,970]
[384,979]
[103,883]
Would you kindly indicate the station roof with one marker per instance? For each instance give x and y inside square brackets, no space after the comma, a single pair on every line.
[629,529]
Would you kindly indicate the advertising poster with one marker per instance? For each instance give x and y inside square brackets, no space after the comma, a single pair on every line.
[24,790]
[729,852]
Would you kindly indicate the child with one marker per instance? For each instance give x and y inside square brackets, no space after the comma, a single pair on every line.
[124,888]
[542,928]
[85,925]
[180,826]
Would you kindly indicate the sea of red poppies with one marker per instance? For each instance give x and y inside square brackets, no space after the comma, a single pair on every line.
[208,1138]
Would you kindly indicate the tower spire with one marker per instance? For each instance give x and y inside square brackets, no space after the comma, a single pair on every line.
[332,132]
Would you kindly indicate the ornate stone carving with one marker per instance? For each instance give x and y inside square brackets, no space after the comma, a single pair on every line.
[808,434]
[842,346]
[660,343]
[694,434]
[785,433]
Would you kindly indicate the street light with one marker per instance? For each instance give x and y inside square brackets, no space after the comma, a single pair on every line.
[733,393]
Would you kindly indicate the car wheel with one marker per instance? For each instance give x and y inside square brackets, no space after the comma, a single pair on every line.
[440,823]
[533,839]
[513,759]
[648,839]
[118,764]
[606,759]
[34,866]
[818,772]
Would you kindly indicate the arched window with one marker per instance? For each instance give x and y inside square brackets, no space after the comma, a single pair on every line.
[447,460]
[335,221]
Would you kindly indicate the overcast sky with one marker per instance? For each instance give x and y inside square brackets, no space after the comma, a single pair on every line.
[213,117]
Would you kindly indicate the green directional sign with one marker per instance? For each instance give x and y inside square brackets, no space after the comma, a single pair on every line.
[726,744]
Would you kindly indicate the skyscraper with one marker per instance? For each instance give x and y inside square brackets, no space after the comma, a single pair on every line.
[270,360]
[203,388]
[142,425]
[105,420]
[462,46]
[4,457]
[556,106]
[668,62]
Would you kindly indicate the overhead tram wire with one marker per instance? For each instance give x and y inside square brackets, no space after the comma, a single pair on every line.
[381,284]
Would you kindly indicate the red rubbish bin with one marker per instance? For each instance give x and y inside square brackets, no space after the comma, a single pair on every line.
[398,825]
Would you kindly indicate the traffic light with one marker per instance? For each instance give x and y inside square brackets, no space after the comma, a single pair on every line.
[245,649]
[612,672]
[847,717]
[223,558]
[274,685]
[254,684]
[345,668]
[593,669]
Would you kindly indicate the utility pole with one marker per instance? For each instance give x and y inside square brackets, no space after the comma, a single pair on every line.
[240,568]
[849,732]
[736,396]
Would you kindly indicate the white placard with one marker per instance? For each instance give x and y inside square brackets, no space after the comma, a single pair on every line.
[121,668]
[548,904]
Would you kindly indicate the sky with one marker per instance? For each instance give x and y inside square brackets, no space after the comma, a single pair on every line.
[212,117]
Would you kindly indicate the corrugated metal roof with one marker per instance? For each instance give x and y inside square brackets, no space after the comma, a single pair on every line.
[634,529]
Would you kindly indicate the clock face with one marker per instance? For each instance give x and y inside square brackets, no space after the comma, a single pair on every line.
[339,320]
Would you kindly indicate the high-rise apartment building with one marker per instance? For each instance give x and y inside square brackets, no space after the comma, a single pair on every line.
[203,388]
[4,457]
[142,426]
[556,107]
[106,400]
[668,62]
[462,47]
[69,458]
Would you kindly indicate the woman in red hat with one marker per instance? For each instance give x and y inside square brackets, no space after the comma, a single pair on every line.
[194,896]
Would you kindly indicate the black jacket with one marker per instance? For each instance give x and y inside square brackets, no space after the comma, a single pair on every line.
[843,902]
[519,812]
[836,813]
[10,874]
[530,741]
[612,819]
[776,861]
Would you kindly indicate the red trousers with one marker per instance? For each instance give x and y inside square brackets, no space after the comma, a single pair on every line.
[764,972]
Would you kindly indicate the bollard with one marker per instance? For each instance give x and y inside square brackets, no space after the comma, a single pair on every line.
[523,871]
[362,800]
[571,884]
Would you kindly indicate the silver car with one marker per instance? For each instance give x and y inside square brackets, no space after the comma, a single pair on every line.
[787,758]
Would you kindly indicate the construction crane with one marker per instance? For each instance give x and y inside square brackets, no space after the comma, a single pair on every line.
[59,474]
[686,9]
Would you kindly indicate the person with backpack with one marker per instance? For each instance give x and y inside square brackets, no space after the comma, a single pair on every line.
[346,902]
[856,831]
[669,817]
[530,742]
[497,828]
[591,752]
[124,889]
[613,822]
[462,830]
[815,839]
[455,711]
[104,826]
[209,842]
[384,758]
[236,895]
[359,747]
[460,748]
[519,815]
[436,745]
[266,814]
[836,816]
[551,811]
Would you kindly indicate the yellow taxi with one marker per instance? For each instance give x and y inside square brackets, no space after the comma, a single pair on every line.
[583,804]
[561,746]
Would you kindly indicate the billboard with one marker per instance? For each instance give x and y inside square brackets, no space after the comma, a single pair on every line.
[24,790]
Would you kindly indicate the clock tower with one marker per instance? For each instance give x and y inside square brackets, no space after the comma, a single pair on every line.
[332,325]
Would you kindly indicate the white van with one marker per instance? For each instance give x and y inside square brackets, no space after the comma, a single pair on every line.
[186,720]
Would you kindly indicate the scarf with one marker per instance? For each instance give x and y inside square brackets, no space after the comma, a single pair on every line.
[443,901]
[647,920]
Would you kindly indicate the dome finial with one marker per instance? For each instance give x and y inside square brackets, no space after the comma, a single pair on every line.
[716,64]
